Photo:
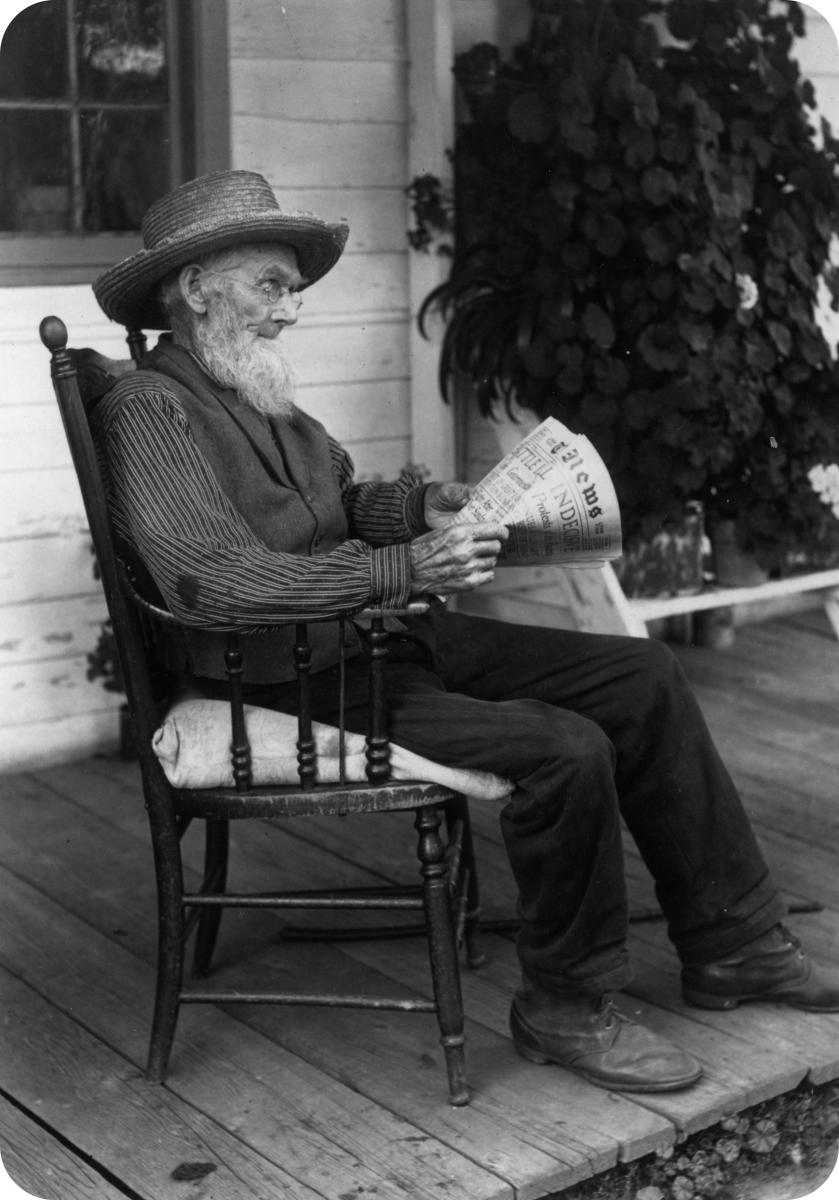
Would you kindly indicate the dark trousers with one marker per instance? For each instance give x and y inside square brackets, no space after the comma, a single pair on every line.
[590,728]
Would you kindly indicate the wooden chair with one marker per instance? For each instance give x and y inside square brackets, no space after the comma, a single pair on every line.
[447,895]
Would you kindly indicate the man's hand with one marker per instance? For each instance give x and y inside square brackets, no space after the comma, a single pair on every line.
[455,559]
[443,501]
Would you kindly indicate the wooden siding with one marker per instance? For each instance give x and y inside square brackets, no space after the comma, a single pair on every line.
[319,106]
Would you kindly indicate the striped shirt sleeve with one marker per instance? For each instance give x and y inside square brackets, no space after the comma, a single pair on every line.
[209,565]
[380,513]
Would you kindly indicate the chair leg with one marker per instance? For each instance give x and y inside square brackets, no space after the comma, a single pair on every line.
[217,841]
[442,950]
[170,953]
[458,810]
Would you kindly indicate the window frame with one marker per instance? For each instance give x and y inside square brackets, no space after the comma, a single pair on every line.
[199,98]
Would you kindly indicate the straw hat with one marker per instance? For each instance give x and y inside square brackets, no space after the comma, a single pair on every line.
[219,210]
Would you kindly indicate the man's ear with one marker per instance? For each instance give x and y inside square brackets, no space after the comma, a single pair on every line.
[191,289]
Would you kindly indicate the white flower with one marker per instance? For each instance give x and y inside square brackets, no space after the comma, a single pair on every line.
[747,290]
[824,481]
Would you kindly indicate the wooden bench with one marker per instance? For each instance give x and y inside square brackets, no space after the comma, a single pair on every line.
[824,582]
[592,599]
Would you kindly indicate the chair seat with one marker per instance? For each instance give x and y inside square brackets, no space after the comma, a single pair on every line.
[288,801]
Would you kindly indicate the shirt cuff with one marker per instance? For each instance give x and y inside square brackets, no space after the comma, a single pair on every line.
[414,510]
[390,575]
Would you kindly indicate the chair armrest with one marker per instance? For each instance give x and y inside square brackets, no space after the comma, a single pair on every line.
[378,746]
[414,608]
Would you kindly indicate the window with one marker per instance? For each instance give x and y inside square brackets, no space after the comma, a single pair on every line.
[97,118]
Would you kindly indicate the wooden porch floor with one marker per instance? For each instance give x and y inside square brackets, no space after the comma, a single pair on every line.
[303,1103]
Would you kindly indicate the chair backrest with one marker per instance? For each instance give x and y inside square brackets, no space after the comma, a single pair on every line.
[80,378]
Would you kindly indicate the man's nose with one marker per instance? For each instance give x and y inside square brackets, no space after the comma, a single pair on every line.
[288,307]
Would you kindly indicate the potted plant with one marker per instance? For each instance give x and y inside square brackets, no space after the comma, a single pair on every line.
[644,212]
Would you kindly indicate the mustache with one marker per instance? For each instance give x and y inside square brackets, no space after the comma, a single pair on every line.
[266,329]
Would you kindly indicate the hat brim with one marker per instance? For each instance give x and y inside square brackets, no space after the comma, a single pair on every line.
[127,292]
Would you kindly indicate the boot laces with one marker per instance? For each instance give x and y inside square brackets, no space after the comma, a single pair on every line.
[610,1013]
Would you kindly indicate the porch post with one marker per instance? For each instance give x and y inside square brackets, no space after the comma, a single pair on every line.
[430,135]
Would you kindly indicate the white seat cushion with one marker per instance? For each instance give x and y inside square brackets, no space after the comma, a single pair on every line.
[193,747]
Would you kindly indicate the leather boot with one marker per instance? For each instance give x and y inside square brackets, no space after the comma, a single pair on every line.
[589,1035]
[771,967]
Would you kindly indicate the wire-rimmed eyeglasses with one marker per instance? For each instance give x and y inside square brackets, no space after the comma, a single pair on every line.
[273,291]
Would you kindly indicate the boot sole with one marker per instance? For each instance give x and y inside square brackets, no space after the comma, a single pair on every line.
[712,1000]
[542,1060]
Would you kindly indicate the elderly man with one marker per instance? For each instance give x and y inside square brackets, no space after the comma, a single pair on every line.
[240,507]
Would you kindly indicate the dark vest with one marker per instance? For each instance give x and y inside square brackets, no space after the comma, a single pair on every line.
[280,478]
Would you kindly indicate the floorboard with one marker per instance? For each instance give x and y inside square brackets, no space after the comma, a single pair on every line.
[40,1163]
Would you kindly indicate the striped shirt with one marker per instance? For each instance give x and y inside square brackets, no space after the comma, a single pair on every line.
[167,503]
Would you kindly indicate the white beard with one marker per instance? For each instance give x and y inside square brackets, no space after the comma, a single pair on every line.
[256,367]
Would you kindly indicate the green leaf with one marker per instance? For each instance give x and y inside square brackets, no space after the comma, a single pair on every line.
[569,355]
[539,359]
[611,376]
[774,276]
[621,84]
[598,326]
[759,354]
[605,231]
[599,410]
[658,185]
[763,1137]
[782,398]
[639,410]
[741,131]
[640,145]
[660,242]
[674,144]
[684,19]
[570,381]
[801,270]
[645,106]
[661,348]
[577,135]
[564,191]
[598,177]
[661,284]
[762,151]
[780,336]
[697,334]
[529,119]
[814,349]
[698,296]
[797,372]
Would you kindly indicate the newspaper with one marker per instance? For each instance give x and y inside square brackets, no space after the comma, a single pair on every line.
[555,496]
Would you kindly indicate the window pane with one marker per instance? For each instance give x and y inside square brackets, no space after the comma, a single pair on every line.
[121,49]
[33,57]
[34,185]
[124,167]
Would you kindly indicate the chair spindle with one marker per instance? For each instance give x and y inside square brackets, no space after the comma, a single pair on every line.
[240,749]
[378,746]
[136,344]
[306,754]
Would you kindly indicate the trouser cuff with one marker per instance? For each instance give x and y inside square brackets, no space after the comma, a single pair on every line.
[612,980]
[733,932]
